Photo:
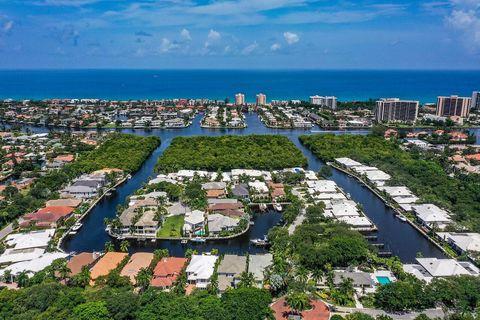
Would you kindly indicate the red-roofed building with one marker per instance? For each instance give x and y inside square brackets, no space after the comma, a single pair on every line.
[475,157]
[225,206]
[167,271]
[48,216]
[458,136]
[65,158]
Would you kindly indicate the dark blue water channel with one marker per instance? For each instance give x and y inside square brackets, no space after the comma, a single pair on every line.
[399,237]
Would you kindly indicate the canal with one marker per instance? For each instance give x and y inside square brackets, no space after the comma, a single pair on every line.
[399,237]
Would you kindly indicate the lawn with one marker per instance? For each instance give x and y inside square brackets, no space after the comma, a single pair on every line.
[265,152]
[172,227]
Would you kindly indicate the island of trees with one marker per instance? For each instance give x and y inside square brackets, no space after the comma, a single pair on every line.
[263,152]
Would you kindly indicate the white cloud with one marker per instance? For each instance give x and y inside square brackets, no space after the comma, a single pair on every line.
[185,34]
[167,45]
[465,19]
[275,47]
[249,49]
[212,37]
[291,37]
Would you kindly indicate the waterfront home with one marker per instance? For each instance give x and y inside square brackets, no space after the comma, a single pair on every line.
[259,189]
[251,173]
[138,221]
[463,243]
[138,261]
[200,270]
[194,223]
[377,177]
[105,264]
[218,223]
[240,191]
[431,216]
[347,162]
[48,217]
[81,192]
[277,190]
[229,271]
[428,268]
[257,264]
[70,202]
[167,271]
[80,261]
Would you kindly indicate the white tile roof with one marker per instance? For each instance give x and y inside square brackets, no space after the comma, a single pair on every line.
[348,162]
[201,267]
[33,239]
[36,264]
[442,267]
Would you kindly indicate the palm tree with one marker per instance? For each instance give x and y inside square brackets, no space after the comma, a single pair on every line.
[298,301]
[22,279]
[143,278]
[317,275]
[7,276]
[247,280]
[109,246]
[160,253]
[124,245]
[82,279]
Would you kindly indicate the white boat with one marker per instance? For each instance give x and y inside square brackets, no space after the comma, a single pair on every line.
[252,223]
[260,242]
[198,239]
[72,233]
[76,226]
[262,206]
[402,218]
[184,241]
[277,206]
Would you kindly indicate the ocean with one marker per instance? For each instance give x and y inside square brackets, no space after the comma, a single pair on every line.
[220,84]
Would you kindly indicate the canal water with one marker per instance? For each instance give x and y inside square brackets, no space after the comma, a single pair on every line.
[400,238]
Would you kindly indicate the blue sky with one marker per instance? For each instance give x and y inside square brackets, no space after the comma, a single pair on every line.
[246,34]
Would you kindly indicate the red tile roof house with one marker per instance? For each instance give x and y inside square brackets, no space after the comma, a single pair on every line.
[167,271]
[48,217]
[65,158]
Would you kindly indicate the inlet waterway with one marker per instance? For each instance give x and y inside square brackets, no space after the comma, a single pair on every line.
[399,237]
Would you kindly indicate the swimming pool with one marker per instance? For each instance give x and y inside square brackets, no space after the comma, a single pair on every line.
[383,280]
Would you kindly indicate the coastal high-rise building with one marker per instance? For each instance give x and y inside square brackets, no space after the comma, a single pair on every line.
[261,99]
[239,99]
[330,102]
[476,100]
[453,106]
[396,110]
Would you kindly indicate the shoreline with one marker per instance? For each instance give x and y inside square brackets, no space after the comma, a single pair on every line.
[90,208]
[388,204]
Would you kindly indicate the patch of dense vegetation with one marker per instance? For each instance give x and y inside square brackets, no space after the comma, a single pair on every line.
[460,294]
[50,300]
[227,152]
[122,151]
[427,175]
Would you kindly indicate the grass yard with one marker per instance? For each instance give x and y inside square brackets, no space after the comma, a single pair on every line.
[172,227]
